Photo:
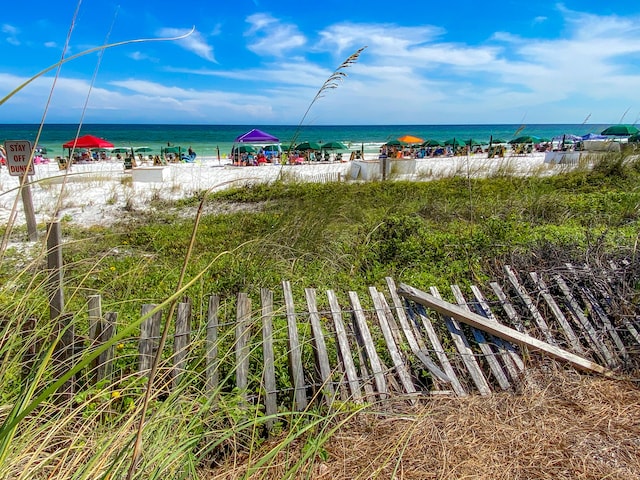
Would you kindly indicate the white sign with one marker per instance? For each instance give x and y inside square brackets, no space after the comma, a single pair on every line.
[18,154]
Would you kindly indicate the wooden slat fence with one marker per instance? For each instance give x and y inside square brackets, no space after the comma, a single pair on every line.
[300,348]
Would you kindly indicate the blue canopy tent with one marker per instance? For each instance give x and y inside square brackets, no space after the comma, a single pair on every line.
[594,136]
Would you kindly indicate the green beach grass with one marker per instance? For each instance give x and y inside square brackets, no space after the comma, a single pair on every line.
[338,236]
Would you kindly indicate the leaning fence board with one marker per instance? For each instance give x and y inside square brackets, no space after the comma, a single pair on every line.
[508,352]
[211,344]
[149,337]
[570,335]
[598,312]
[631,328]
[344,349]
[402,316]
[499,330]
[181,340]
[320,347]
[396,357]
[438,349]
[608,326]
[367,343]
[420,353]
[295,351]
[581,319]
[430,365]
[269,373]
[242,347]
[489,355]
[462,344]
[528,301]
[508,308]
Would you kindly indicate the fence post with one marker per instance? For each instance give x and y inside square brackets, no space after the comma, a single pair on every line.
[95,319]
[107,331]
[295,351]
[270,399]
[213,377]
[31,345]
[64,355]
[243,334]
[320,347]
[149,338]
[181,341]
[54,266]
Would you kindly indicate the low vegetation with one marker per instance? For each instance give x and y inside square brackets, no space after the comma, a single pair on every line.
[328,236]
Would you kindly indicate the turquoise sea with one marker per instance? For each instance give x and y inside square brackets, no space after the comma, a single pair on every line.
[205,140]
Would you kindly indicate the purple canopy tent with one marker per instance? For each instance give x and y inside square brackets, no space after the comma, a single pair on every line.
[256,136]
[252,136]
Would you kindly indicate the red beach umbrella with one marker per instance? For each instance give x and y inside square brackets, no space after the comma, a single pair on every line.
[88,141]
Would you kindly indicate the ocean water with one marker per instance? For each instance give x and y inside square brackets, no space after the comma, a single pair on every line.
[207,140]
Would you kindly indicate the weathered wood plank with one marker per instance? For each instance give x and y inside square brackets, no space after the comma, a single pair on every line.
[269,370]
[181,340]
[105,359]
[569,334]
[462,344]
[440,353]
[503,332]
[421,353]
[367,379]
[243,335]
[295,351]
[535,313]
[149,338]
[397,358]
[319,347]
[368,345]
[507,350]
[344,350]
[508,308]
[489,355]
[211,345]
[581,319]
[631,328]
[94,305]
[598,312]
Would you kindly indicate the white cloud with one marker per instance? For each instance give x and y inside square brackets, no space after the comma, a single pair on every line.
[406,75]
[140,56]
[51,44]
[195,42]
[271,37]
[10,34]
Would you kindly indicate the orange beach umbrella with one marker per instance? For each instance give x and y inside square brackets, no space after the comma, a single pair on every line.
[410,139]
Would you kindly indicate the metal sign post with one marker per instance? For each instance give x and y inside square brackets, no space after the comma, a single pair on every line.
[20,164]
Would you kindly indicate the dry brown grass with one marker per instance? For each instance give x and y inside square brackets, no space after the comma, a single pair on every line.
[567,426]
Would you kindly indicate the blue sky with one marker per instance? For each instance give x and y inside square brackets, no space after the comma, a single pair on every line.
[263,61]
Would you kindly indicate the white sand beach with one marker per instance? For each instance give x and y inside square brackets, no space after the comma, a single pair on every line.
[98,193]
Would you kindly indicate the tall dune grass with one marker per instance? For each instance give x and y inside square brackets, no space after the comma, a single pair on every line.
[130,427]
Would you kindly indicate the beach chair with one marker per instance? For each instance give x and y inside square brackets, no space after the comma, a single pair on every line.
[63,163]
[157,161]
[129,163]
